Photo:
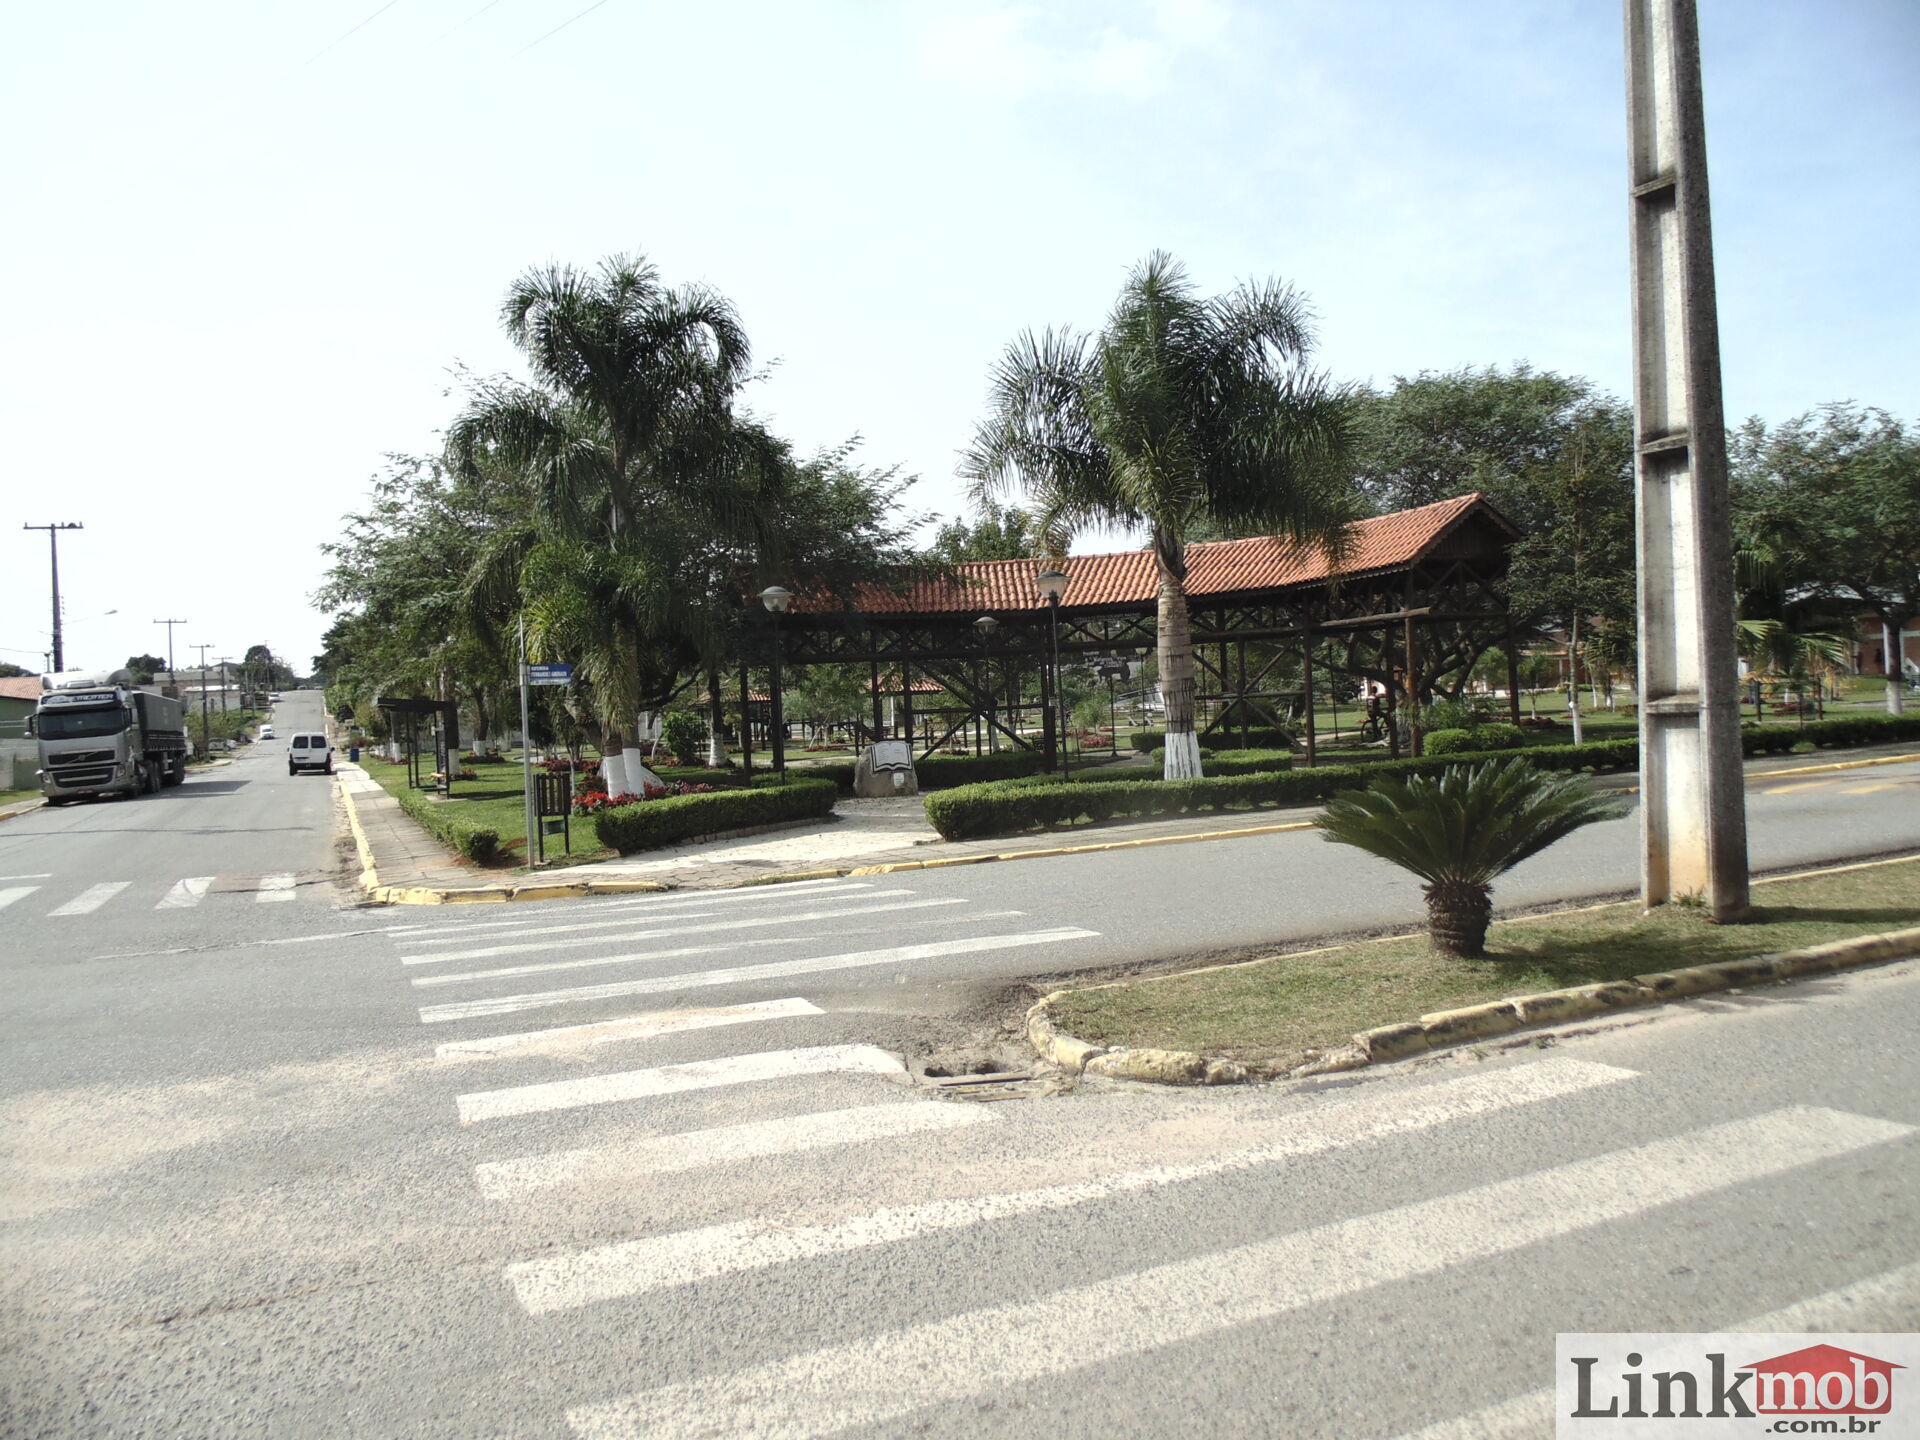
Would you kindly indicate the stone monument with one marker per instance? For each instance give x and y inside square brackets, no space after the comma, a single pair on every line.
[885,768]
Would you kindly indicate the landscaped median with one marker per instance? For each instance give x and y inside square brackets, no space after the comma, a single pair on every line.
[1349,1005]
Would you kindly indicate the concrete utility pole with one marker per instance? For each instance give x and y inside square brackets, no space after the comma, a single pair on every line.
[1693,808]
[206,745]
[53,551]
[172,683]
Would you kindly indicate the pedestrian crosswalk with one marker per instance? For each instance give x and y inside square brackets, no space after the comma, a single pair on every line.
[186,893]
[696,1117]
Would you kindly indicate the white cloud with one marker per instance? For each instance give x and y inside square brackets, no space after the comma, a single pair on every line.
[1019,50]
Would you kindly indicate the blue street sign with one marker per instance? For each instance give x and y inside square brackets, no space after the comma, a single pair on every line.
[549,674]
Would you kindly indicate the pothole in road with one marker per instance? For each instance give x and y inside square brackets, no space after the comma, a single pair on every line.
[985,1072]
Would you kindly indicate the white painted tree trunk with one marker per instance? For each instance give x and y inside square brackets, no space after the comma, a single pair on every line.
[1177,683]
[637,775]
[613,771]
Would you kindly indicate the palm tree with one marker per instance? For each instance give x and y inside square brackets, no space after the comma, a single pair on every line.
[1460,830]
[625,435]
[1799,659]
[1182,410]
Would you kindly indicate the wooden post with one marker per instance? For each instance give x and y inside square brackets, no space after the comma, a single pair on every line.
[1415,746]
[1513,680]
[746,724]
[1306,680]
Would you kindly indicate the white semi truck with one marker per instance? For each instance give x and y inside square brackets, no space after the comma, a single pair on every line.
[101,736]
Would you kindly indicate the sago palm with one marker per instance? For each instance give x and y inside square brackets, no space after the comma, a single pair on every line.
[1181,410]
[1463,828]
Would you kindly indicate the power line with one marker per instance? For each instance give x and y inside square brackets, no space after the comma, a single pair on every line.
[356,29]
[458,23]
[558,28]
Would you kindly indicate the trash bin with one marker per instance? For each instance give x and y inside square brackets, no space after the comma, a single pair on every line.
[353,753]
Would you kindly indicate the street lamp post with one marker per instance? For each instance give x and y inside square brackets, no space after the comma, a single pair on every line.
[777,598]
[1053,584]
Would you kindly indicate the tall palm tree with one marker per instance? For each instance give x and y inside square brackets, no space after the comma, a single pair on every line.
[1181,410]
[626,433]
[1460,830]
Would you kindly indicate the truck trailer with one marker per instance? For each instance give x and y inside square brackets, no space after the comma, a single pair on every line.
[99,735]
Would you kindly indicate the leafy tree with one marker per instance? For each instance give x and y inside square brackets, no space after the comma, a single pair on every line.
[1462,829]
[144,667]
[1180,411]
[1827,511]
[10,671]
[1002,532]
[1552,453]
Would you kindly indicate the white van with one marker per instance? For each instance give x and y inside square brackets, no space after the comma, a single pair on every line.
[309,752]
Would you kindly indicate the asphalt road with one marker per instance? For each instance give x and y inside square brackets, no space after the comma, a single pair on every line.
[649,1166]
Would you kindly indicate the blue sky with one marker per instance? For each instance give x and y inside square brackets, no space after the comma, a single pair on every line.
[247,247]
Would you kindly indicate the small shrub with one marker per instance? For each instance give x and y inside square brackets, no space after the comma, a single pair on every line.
[1447,742]
[1230,762]
[442,819]
[653,823]
[685,735]
[1498,735]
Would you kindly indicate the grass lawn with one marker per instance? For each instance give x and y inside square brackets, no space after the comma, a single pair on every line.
[1274,1010]
[13,797]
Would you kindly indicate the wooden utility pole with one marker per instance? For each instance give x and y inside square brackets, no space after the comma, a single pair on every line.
[1693,809]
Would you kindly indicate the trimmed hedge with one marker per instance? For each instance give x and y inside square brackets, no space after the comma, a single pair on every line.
[1853,730]
[479,843]
[938,772]
[1010,807]
[1258,738]
[654,823]
[1238,762]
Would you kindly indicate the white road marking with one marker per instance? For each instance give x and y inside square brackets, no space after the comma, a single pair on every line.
[464,976]
[46,876]
[632,1027]
[186,894]
[672,907]
[859,1384]
[661,1261]
[666,1154]
[754,923]
[672,1079]
[746,974]
[276,887]
[670,903]
[17,892]
[92,898]
[1879,1303]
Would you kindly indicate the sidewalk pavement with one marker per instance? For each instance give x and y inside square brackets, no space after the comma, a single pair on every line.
[403,864]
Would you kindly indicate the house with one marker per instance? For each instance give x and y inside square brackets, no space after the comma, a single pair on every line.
[1823,1380]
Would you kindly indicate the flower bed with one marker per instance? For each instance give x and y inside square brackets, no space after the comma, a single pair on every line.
[595,802]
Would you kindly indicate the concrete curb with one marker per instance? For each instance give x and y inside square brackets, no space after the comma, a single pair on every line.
[1444,1029]
[25,807]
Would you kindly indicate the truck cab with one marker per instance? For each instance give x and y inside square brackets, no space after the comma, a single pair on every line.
[98,735]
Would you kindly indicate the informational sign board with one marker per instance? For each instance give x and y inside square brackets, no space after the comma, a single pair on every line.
[555,674]
[890,755]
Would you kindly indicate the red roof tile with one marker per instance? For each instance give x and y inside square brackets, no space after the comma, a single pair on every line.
[20,687]
[1220,567]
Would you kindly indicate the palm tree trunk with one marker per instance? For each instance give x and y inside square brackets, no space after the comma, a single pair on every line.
[1458,914]
[1176,662]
